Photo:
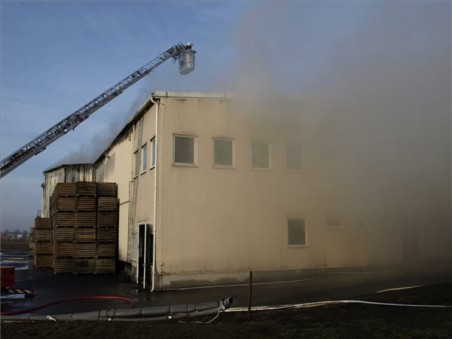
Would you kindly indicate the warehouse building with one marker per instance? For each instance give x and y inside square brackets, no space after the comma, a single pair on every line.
[210,189]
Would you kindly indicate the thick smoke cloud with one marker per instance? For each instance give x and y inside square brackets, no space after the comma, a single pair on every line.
[90,151]
[374,85]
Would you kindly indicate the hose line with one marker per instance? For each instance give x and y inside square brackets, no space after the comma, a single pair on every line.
[64,301]
[153,313]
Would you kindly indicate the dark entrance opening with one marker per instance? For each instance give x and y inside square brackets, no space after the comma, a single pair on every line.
[145,254]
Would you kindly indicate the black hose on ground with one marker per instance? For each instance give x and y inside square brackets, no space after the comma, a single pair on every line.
[153,313]
[64,301]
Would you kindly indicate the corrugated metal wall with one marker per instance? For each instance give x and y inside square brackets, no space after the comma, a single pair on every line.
[63,174]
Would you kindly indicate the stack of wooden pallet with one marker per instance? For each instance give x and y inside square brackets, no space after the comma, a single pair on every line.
[43,243]
[62,206]
[80,245]
[31,242]
[107,231]
[85,228]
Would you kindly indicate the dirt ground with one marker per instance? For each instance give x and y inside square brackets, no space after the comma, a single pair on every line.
[331,321]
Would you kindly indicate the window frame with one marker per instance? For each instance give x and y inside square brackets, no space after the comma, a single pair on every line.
[144,158]
[195,150]
[305,236]
[269,156]
[153,153]
[232,165]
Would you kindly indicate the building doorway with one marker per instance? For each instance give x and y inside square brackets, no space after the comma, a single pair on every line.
[145,254]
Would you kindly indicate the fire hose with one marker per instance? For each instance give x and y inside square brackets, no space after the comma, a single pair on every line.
[152,313]
[32,309]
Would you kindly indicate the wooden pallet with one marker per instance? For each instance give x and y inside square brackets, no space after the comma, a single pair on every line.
[106,265]
[63,219]
[43,247]
[107,219]
[63,265]
[86,204]
[107,204]
[107,249]
[85,265]
[63,249]
[43,223]
[85,234]
[43,260]
[64,234]
[107,189]
[107,234]
[85,219]
[85,250]
[86,188]
[64,189]
[43,235]
[63,204]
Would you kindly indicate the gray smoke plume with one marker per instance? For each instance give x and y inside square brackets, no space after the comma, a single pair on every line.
[372,86]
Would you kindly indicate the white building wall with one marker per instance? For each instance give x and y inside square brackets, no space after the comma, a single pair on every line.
[215,224]
[145,194]
[229,220]
[116,166]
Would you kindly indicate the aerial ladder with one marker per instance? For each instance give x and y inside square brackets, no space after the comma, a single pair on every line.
[181,52]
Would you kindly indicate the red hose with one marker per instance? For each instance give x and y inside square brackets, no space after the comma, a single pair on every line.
[105,297]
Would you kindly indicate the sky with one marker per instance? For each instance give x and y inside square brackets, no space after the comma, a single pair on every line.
[58,55]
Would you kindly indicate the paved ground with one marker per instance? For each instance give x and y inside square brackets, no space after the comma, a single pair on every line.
[325,286]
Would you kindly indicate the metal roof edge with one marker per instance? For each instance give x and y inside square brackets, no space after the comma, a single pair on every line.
[148,103]
[189,95]
[54,168]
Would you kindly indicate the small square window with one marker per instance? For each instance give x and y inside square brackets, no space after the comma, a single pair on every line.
[260,155]
[294,158]
[184,149]
[296,230]
[223,152]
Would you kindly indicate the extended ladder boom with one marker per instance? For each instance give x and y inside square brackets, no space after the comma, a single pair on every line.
[186,64]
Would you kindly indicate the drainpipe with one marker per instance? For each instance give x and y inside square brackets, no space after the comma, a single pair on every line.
[154,228]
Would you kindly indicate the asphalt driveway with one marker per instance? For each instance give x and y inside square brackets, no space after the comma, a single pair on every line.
[321,285]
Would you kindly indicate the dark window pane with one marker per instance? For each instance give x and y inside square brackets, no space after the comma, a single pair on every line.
[223,152]
[296,232]
[184,150]
[144,153]
[153,152]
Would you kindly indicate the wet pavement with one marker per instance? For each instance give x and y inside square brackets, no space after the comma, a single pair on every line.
[326,285]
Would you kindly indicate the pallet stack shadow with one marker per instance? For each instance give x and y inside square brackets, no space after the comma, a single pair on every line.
[42,243]
[84,218]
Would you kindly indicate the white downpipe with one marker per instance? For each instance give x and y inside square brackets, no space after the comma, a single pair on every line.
[154,225]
